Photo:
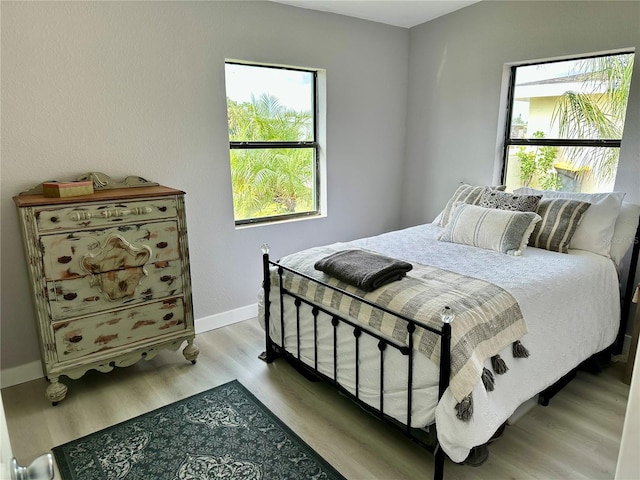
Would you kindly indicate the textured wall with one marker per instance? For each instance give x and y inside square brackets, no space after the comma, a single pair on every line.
[138,88]
[457,88]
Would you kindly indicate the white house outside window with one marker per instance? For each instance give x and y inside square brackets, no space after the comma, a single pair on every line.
[565,123]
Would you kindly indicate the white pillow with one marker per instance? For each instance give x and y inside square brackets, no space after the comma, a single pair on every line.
[595,231]
[504,231]
[625,231]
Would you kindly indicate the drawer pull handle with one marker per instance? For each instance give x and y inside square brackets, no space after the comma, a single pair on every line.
[76,339]
[65,259]
[70,296]
[162,244]
[168,316]
[123,212]
[81,216]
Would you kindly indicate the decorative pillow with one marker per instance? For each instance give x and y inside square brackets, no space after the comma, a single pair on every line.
[466,194]
[560,219]
[492,229]
[624,231]
[595,232]
[510,201]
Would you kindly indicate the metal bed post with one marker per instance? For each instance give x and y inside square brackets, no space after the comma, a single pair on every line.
[269,354]
[443,383]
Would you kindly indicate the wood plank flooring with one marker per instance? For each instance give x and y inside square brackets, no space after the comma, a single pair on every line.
[576,437]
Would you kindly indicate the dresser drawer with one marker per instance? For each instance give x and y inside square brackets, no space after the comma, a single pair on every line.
[89,271]
[114,329]
[98,215]
[64,254]
[78,297]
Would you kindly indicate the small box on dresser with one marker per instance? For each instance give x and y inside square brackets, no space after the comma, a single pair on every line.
[110,279]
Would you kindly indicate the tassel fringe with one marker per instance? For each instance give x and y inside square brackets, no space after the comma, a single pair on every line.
[464,409]
[519,350]
[498,365]
[488,380]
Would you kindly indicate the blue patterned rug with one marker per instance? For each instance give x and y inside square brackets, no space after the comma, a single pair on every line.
[223,433]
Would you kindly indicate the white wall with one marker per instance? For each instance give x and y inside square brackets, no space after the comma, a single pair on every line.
[456,88]
[138,88]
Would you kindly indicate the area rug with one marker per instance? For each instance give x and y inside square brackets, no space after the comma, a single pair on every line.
[223,433]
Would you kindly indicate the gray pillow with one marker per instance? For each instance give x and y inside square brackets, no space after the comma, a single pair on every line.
[510,201]
[464,194]
[560,218]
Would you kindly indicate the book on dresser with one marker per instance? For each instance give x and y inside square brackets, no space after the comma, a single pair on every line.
[110,278]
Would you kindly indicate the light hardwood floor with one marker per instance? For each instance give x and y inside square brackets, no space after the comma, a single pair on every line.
[576,437]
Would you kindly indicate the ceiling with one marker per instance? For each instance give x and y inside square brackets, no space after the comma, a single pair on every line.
[401,13]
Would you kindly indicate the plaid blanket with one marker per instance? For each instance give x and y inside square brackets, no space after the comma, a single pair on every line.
[487,317]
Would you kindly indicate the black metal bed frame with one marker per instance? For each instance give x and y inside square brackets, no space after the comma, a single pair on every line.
[273,351]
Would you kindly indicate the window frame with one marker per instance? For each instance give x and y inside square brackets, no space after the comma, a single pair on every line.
[551,142]
[314,144]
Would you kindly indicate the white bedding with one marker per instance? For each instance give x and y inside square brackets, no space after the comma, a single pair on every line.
[569,301]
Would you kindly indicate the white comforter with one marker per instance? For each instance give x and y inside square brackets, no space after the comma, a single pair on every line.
[569,301]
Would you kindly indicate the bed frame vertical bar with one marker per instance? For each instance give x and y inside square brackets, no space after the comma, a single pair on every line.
[281,282]
[356,333]
[335,321]
[443,384]
[411,327]
[269,354]
[382,345]
[297,303]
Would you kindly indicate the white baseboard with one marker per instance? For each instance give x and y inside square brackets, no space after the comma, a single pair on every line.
[20,374]
[226,318]
[33,370]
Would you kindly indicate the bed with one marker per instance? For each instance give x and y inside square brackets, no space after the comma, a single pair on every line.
[403,364]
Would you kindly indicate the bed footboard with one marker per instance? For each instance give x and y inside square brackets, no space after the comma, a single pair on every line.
[273,350]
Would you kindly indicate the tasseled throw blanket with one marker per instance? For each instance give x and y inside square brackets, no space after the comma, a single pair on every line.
[363,269]
[487,317]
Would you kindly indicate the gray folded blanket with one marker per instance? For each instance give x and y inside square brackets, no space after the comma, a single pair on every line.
[363,269]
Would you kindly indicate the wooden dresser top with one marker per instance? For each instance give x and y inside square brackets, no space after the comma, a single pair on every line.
[97,196]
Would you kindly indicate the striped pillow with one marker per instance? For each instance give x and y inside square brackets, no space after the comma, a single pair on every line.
[504,231]
[560,218]
[464,194]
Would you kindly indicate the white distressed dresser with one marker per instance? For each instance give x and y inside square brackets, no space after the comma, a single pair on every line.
[110,279]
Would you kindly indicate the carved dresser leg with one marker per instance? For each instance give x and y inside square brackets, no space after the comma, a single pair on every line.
[56,391]
[191,352]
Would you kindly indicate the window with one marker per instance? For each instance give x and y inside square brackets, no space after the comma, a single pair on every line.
[564,123]
[272,142]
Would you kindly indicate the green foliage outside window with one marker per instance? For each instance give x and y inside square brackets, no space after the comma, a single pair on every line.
[537,163]
[270,181]
[590,115]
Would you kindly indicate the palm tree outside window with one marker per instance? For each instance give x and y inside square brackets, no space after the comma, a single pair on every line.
[565,121]
[272,142]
